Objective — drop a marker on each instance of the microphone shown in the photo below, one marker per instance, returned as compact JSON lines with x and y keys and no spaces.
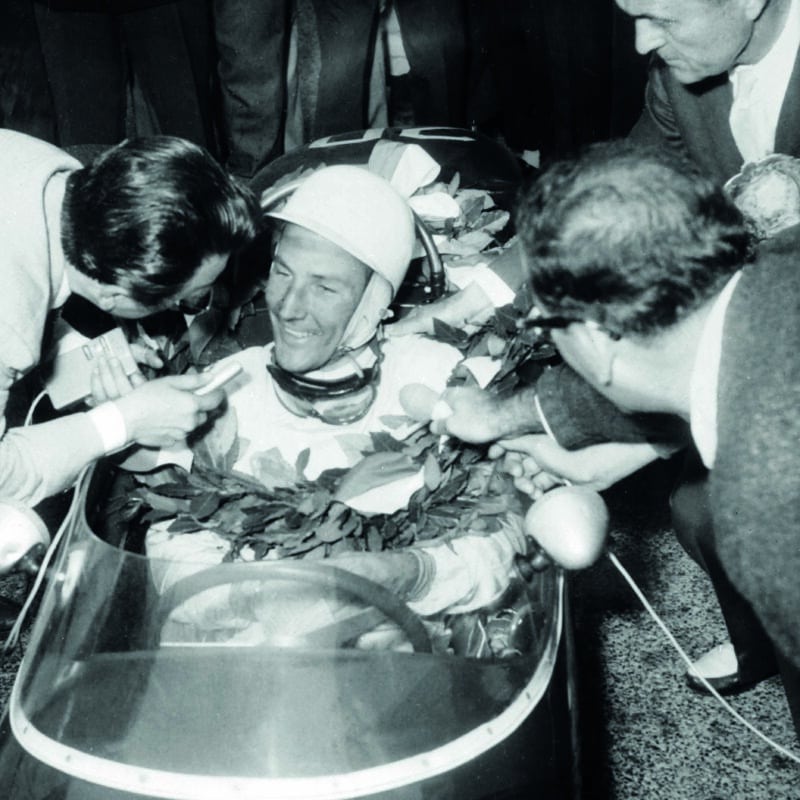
{"x":570,"y":523}
{"x":423,"y":404}
{"x":23,"y":539}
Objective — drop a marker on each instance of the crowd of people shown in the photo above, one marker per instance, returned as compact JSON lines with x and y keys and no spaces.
{"x":677,"y":328}
{"x":249,"y":79}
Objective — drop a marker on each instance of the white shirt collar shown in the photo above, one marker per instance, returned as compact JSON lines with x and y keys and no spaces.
{"x":53,"y":202}
{"x":705,"y":377}
{"x":779,"y":59}
{"x":759,"y":90}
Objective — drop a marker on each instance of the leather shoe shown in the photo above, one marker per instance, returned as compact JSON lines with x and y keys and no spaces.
{"x":9,"y":611}
{"x":740,"y":676}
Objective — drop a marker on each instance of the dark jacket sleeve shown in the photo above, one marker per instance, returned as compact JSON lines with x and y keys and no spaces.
{"x":579,"y":416}
{"x":657,"y":123}
{"x":755,"y":482}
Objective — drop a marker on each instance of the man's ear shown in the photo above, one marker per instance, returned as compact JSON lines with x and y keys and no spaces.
{"x":602,"y":349}
{"x":107,"y":296}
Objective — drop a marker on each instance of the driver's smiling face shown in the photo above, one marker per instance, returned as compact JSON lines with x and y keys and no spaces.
{"x":313,"y":289}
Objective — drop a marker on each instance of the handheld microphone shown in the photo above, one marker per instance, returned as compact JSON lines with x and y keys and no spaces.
{"x":423,"y":404}
{"x":570,"y":523}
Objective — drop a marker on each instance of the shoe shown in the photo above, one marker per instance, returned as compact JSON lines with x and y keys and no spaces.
{"x":722,"y":670}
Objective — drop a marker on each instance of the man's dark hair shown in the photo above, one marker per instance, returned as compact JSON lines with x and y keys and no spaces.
{"x":633,"y":238}
{"x":146,"y":213}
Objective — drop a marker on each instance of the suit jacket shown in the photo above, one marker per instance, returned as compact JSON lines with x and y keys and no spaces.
{"x":755,"y":482}
{"x":694,"y":119}
{"x":579,"y":416}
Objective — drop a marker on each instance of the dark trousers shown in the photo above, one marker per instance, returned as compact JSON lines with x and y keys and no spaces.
{"x":25,"y":103}
{"x":89,"y":56}
{"x":435,"y":41}
{"x":251,"y":37}
{"x":755,"y":651}
{"x":336,"y":40}
{"x":345,"y":31}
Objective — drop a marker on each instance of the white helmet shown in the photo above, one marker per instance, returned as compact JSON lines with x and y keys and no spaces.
{"x":360,"y":212}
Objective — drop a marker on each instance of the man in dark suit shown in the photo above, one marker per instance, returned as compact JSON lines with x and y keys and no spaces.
{"x":667,"y":315}
{"x":723,"y":89}
{"x":723,"y":84}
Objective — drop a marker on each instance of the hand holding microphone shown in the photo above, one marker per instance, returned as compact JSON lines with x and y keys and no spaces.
{"x":163,"y":411}
{"x":570,"y":523}
{"x":465,"y":412}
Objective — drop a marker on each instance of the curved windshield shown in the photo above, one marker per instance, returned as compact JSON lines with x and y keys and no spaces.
{"x":134,"y":687}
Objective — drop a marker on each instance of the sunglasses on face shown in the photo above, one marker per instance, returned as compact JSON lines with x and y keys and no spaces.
{"x":545,"y":323}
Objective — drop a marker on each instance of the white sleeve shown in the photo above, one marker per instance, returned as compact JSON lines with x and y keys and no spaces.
{"x":472,"y":571}
{"x":41,"y":460}
{"x":498,"y":292}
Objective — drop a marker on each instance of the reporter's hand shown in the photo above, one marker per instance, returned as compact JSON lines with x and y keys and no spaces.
{"x":466,"y":309}
{"x":109,"y":380}
{"x":161,"y":412}
{"x":537,"y":463}
{"x":477,"y":416}
{"x":517,"y":460}
{"x":145,"y":354}
{"x":474,"y":415}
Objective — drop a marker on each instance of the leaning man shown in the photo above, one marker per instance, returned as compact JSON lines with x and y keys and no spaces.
{"x":148,"y":224}
{"x":640,"y":267}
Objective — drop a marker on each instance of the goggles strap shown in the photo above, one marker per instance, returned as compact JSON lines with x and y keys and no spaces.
{"x":337,"y":402}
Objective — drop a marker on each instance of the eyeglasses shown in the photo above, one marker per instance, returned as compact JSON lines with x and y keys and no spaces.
{"x":558,"y":322}
{"x":546,"y":323}
{"x":196,"y":304}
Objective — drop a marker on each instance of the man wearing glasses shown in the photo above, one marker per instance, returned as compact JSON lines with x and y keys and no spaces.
{"x":641,"y":270}
{"x":146,"y":226}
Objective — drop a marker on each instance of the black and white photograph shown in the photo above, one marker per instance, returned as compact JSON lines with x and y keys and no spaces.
{"x":400,"y":400}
